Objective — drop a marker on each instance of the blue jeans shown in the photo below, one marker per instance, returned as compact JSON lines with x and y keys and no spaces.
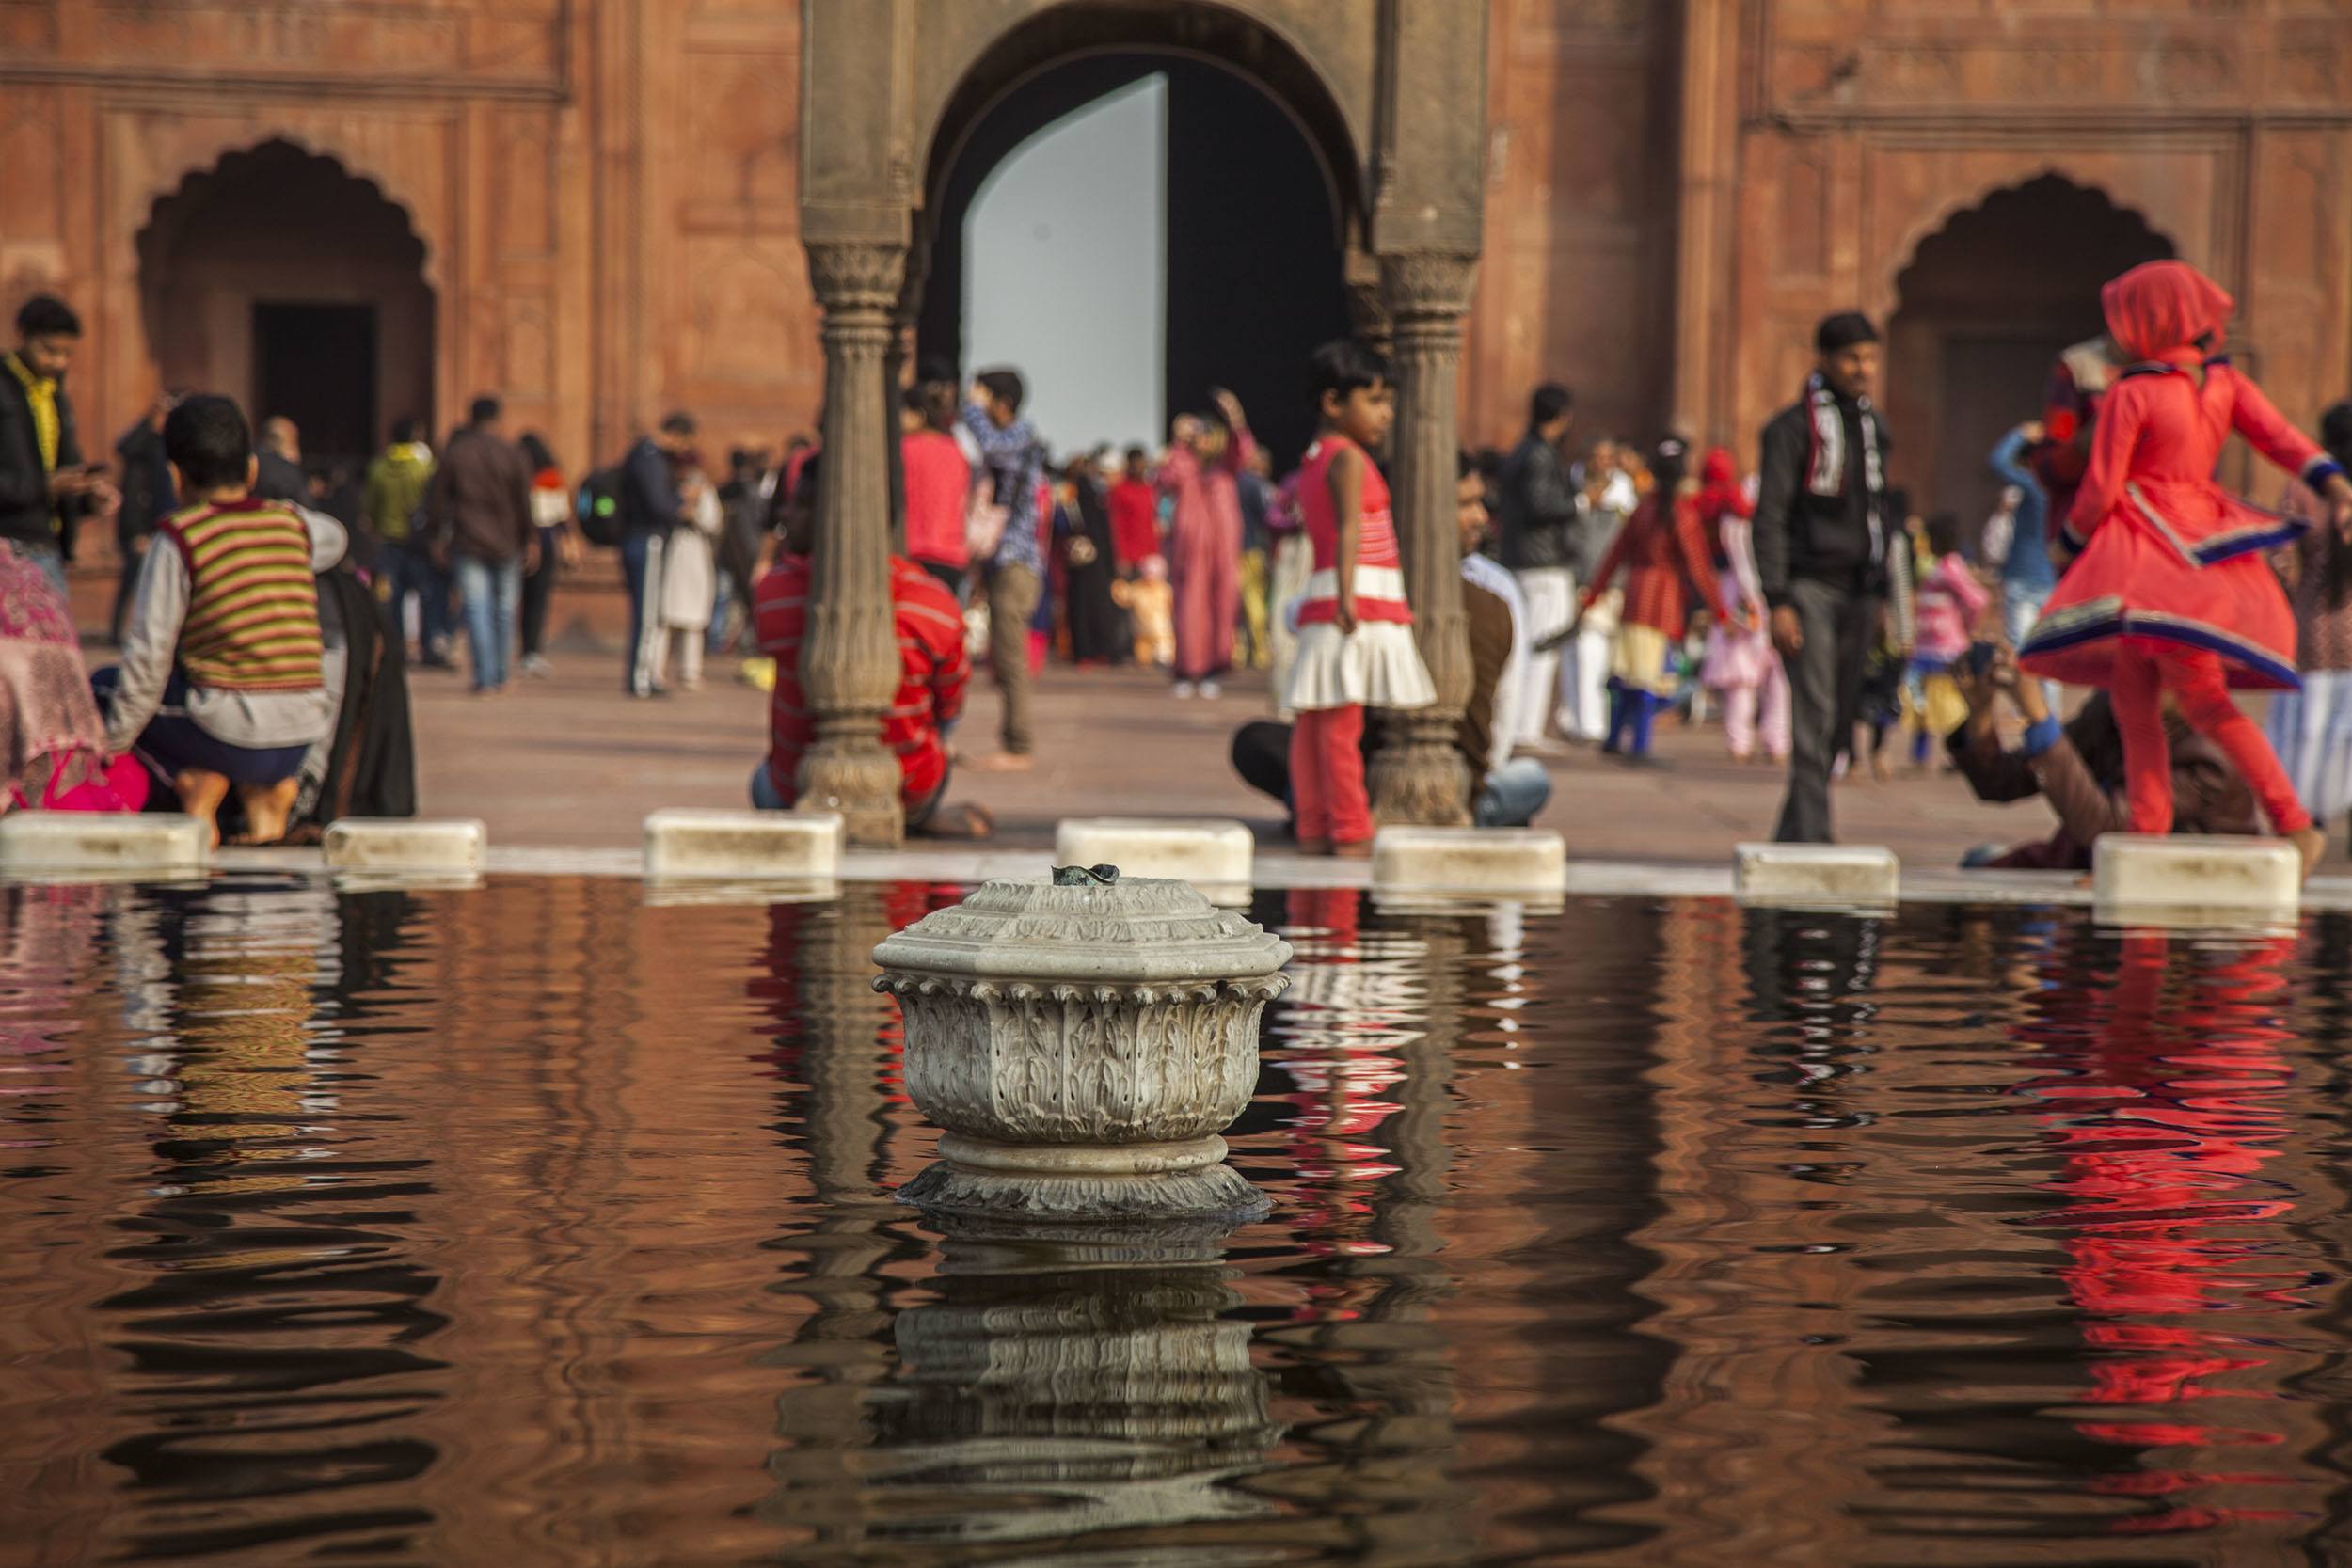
{"x":635,"y":546}
{"x":489,"y":590}
{"x":1512,"y":794}
{"x":409,"y":570}
{"x":2021,"y":606}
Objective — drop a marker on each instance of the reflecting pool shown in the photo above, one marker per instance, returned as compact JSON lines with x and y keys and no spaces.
{"x":540,"y":1224}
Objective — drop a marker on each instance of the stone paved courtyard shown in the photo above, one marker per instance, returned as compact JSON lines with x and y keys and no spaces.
{"x":570,"y":762}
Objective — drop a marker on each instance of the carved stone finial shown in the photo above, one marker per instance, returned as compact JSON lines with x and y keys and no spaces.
{"x":1080,"y":1056}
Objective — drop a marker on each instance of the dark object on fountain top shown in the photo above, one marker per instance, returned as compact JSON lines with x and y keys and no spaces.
{"x":1086,"y":876}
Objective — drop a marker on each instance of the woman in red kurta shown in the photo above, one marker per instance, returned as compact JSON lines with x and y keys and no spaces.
{"x":2171,"y":592}
{"x":1665,"y":555}
{"x":1204,"y":541}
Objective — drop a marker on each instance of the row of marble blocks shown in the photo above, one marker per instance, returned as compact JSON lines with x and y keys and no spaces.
{"x":1220,"y":856}
{"x":2174,"y":879}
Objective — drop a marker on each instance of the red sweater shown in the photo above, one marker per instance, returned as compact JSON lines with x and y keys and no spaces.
{"x":933,"y":671}
{"x":939,"y":483}
{"x":1662,"y":561}
{"x":1135,"y":522}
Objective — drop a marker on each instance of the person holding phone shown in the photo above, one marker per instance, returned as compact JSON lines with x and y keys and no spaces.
{"x":2077,"y":767}
{"x":46,"y":487}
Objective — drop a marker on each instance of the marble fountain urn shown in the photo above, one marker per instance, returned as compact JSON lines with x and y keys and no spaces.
{"x":1082,"y":1043}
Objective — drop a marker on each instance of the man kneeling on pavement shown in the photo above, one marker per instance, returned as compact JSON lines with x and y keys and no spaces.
{"x":1506,"y":792}
{"x":222,"y":683}
{"x":933,"y":671}
{"x":2078,"y":767}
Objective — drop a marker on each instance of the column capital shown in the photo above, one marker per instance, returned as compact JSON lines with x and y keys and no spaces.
{"x":857,"y":274}
{"x":1422,"y":285}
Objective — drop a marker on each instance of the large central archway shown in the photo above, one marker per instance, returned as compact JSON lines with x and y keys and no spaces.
{"x":1987,"y":303}
{"x":283,"y":280}
{"x":1247,"y":279}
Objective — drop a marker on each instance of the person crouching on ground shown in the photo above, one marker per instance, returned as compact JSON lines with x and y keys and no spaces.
{"x":2170,"y":592}
{"x":1662,"y":554}
{"x":221,"y":684}
{"x":2078,"y":767}
{"x":1355,"y":630}
{"x":1508,"y":791}
{"x":934,"y":669}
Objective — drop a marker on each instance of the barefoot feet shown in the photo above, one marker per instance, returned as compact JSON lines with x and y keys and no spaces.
{"x":2311,"y":844}
{"x":200,"y":796}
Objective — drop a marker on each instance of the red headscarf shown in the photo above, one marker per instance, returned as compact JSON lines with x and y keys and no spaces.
{"x":2160,"y":310}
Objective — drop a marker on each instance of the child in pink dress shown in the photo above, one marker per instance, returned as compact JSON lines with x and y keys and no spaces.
{"x":1355,"y":644}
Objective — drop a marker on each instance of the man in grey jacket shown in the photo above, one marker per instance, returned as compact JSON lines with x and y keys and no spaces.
{"x":1537,"y":507}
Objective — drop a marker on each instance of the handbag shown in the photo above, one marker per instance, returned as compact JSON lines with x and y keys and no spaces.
{"x":984,"y":526}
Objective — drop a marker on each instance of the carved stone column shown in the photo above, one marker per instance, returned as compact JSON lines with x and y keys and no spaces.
{"x":850,"y":658}
{"x":1367,"y":307}
{"x":1417,"y":776}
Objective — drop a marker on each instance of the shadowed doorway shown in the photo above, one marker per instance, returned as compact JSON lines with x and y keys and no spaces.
{"x":1250,"y":281}
{"x":284,"y":280}
{"x":1987,"y":304}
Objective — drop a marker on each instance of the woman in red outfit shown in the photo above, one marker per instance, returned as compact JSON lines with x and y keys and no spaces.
{"x":1664,"y":553}
{"x":2171,"y":593}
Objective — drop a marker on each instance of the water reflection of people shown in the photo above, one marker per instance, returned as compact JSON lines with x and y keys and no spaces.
{"x":302,"y":1326}
{"x":2165,"y":1124}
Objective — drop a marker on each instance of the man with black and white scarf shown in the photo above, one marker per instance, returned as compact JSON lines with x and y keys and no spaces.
{"x":1828,"y":555}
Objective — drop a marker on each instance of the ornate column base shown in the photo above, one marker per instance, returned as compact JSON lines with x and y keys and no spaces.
{"x":850,"y":771}
{"x":1417,"y":775}
{"x":1189,"y":1179}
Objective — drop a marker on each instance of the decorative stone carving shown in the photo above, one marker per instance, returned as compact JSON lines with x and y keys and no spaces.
{"x":1083,"y":1043}
{"x":1417,"y":775}
{"x":849,"y":659}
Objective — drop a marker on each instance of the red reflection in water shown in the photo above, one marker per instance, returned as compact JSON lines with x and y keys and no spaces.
{"x":2165,"y":1128}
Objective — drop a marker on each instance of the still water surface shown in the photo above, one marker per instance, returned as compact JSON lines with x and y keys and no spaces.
{"x":535,"y":1224}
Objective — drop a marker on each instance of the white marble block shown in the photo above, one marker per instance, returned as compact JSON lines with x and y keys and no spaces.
{"x":455,"y":846}
{"x":2190,"y":872}
{"x":743,"y":846}
{"x":1829,"y":874}
{"x":1210,"y":854}
{"x":49,"y":842}
{"x":1533,"y":861}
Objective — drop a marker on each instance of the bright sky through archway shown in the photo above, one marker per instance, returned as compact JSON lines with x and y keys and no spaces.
{"x":1065,"y":271}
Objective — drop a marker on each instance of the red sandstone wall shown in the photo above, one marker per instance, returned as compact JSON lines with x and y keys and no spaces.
{"x":606,"y":189}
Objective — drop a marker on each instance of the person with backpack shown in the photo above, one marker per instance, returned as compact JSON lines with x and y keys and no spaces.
{"x":635,"y":507}
{"x":393,"y":491}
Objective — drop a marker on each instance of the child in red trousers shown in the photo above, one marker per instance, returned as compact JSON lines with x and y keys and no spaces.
{"x":1355,"y":630}
{"x":2171,"y":596}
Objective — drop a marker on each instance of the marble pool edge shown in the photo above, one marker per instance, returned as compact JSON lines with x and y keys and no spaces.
{"x":1585,"y":878}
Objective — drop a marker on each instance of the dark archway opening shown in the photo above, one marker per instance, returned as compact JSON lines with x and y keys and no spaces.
{"x":286,"y":281}
{"x":1253,"y":253}
{"x":1985,"y":308}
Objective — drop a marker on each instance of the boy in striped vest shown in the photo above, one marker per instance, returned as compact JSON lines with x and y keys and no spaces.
{"x":221,"y":684}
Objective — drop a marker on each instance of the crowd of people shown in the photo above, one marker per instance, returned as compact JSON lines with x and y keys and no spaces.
{"x":265,"y":613}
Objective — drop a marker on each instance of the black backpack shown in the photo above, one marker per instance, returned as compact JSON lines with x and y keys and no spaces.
{"x":604,"y":505}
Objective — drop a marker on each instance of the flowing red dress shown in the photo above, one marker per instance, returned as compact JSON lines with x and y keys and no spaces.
{"x":2166,"y":555}
{"x":2171,"y":592}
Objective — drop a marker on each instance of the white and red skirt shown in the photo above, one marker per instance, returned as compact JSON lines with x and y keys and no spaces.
{"x":1377,"y":665}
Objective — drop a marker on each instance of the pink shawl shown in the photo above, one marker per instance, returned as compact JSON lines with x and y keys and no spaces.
{"x":55,"y":740}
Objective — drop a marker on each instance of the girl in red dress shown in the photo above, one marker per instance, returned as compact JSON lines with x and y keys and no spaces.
{"x":1355,"y":647}
{"x":2171,"y":593}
